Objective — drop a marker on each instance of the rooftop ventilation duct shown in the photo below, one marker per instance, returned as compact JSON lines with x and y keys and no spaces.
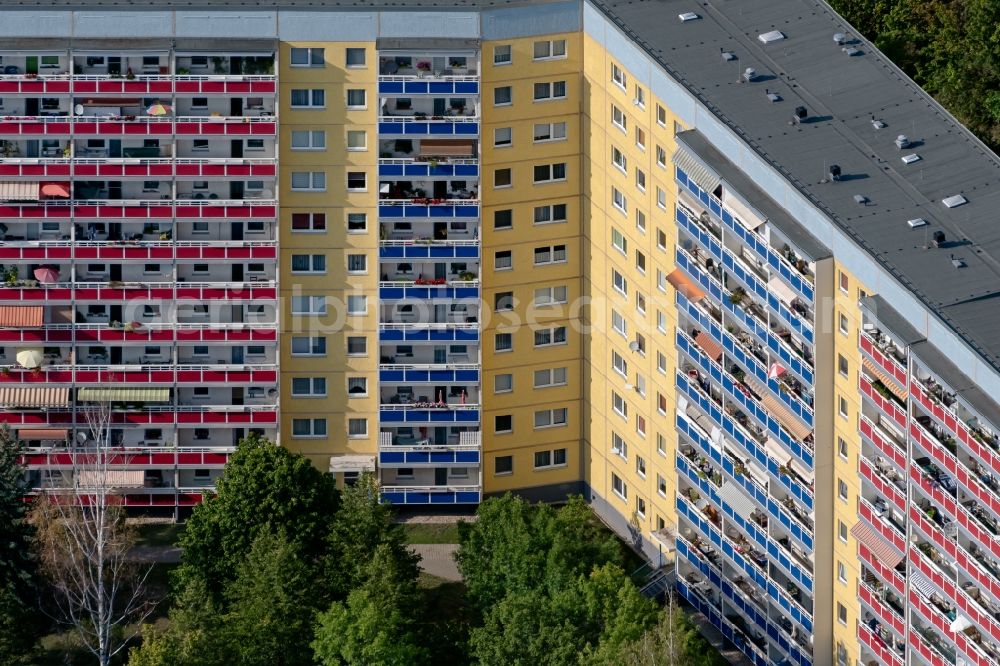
{"x":834,"y":172}
{"x":749,"y":74}
{"x":954,"y":201}
{"x":902,"y":142}
{"x":910,"y":159}
{"x":688,"y":16}
{"x":840,"y":38}
{"x":937,"y":238}
{"x":771,"y":37}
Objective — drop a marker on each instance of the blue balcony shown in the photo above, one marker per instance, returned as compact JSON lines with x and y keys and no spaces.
{"x":416,"y":458}
{"x":436,"y":250}
{"x":756,"y":286}
{"x":418,"y":376}
{"x":428,"y":292}
{"x":693,"y":270}
{"x":421,"y":87}
{"x":414,"y":414}
{"x":437,"y":211}
{"x":429,"y":127}
{"x":429,"y":333}
{"x":765,"y":336}
{"x":425,"y":170}
{"x":400,"y":495}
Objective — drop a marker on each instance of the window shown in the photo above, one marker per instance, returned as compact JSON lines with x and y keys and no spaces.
{"x":842,"y":367}
{"x":618,"y":76}
{"x":841,"y":572}
{"x":199,"y":145}
{"x":619,"y":405}
{"x":640,"y":138}
{"x":619,"y":364}
{"x":618,"y":241}
{"x":357,"y":181}
{"x":503,"y":342}
{"x":357,"y":223}
{"x":550,"y":377}
{"x":842,"y":530}
{"x":503,"y":260}
{"x":550,"y":418}
{"x":640,"y":96}
{"x":661,"y":363}
{"x":842,"y":323}
{"x":502,"y":178}
{"x":618,"y":486}
{"x":640,"y":425}
{"x":503,"y":383}
{"x":503,"y":301}
{"x":842,"y":448}
{"x":661,"y":444}
{"x":554,"y":254}
{"x":304,"y":98}
{"x":502,"y":96}
{"x":841,"y":654}
{"x":549,"y":132}
{"x":306,"y":222}
{"x":841,"y":489}
{"x":357,"y":345}
{"x":199,"y":102}
{"x":308,"y":263}
{"x":354,"y":57}
{"x":308,"y":140}
{"x":502,"y":137}
{"x":618,"y":323}
{"x":841,"y":613}
{"x":640,"y":507}
{"x":357,"y":98}
{"x":661,"y":320}
{"x":661,"y":156}
{"x":357,"y":305}
{"x":357,"y":140}
{"x":619,"y":282}
{"x":661,"y":239}
{"x":547,"y":296}
{"x":503,"y":423}
{"x":303,"y":428}
{"x":357,"y":386}
{"x":308,"y":58}
{"x":357,"y":428}
{"x":550,"y":90}
{"x":254,"y":145}
{"x":619,"y":201}
{"x":661,"y":486}
{"x":619,"y":160}
{"x":640,"y":262}
{"x":550,"y":49}
{"x":550,"y":214}
{"x":308,"y":305}
{"x":640,"y":221}
{"x":661,"y":116}
{"x":308,"y":181}
{"x":546,"y":173}
{"x":640,"y":179}
{"x":844,"y":282}
{"x":502,"y":54}
{"x":555,"y":335}
{"x":503,"y":219}
{"x":842,"y":406}
{"x":503,"y":465}
{"x":308,"y":386}
{"x":661,"y":198}
{"x":619,"y":446}
{"x":618,"y":118}
{"x":357,"y":263}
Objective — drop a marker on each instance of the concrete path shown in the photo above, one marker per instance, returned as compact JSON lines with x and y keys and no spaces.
{"x":156,"y":554}
{"x":438,"y":559}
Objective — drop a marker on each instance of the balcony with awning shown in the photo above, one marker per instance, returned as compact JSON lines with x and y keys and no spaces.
{"x":33,"y":396}
{"x":683,"y":284}
{"x":123,"y":394}
{"x":22,"y":316}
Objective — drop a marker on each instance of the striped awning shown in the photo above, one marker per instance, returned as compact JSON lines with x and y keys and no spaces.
{"x":776,"y":408}
{"x":18,"y":190}
{"x":696,"y":170}
{"x":42,"y":433}
{"x":349,"y":463}
{"x":884,"y":377}
{"x":922,"y":585}
{"x":683,"y":284}
{"x":124,"y":394}
{"x":447,"y":148}
{"x":22,"y":316}
{"x":880,"y":549}
{"x":734,"y":497}
{"x":33,"y":396}
{"x":116,"y":478}
{"x":708,"y":345}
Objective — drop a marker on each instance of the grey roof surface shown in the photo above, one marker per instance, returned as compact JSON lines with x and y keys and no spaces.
{"x":892,"y":320}
{"x":333,"y":5}
{"x":842,"y":94}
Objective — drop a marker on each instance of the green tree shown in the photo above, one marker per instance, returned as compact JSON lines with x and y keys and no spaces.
{"x":362,"y":524}
{"x":674,"y":641}
{"x":376,"y":625}
{"x":19,"y":618}
{"x":264,"y":488}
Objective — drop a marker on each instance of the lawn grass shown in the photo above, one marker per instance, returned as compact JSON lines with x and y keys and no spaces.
{"x":431,"y":532}
{"x":159,"y":534}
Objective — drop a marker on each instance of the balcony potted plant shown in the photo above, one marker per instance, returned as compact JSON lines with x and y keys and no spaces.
{"x":737,"y":295}
{"x":466,"y":276}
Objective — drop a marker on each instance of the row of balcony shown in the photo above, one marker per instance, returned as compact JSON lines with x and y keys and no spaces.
{"x":130,"y":65}
{"x":156,"y":446}
{"x":130,"y":124}
{"x":90,"y":156}
{"x":65,"y":239}
{"x":105,"y":210}
{"x":182,"y":251}
{"x":223,"y":414}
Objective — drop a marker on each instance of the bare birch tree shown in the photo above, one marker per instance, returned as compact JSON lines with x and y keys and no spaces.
{"x":84,"y":546}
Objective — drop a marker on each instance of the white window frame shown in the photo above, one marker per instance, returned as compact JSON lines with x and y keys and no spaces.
{"x":311,"y":60}
{"x":555,"y":49}
{"x":315,"y":140}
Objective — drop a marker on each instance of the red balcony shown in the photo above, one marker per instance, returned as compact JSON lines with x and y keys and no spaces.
{"x":875,"y":644}
{"x":950,"y":421}
{"x":208,"y":85}
{"x":34,"y":85}
{"x":113,"y":168}
{"x":159,"y":333}
{"x":225,"y":126}
{"x":883,"y":527}
{"x":884,"y":613}
{"x":182,"y":498}
{"x":944,"y":544}
{"x":889,"y":365}
{"x":927,"y":652}
{"x":140,"y":457}
{"x":163,"y":250}
{"x":975,"y":655}
{"x":49,"y":251}
{"x":888,"y":574}
{"x":186,"y":415}
{"x":35,"y":168}
{"x":887,"y":405}
{"x":887,"y":446}
{"x":124,"y":126}
{"x":140,"y":85}
{"x":190,"y":168}
{"x":931,"y":572}
{"x":886,"y":488}
{"x":986,"y":580}
{"x":944,"y":501}
{"x":35,"y":126}
{"x":931,"y":615}
{"x":105,"y":210}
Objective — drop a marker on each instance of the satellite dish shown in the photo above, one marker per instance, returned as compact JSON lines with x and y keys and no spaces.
{"x":634,"y":346}
{"x":78,"y":109}
{"x":81,"y":436}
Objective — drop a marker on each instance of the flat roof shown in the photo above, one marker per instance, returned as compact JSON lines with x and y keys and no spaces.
{"x":842,"y":93}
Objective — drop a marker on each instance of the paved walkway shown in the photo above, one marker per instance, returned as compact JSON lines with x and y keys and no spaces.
{"x":438,"y":559}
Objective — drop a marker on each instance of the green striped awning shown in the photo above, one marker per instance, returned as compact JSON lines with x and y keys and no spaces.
{"x":696,"y":169}
{"x":124,"y":395}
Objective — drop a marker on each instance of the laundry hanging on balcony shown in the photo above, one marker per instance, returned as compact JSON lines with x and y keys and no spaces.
{"x":123,"y":394}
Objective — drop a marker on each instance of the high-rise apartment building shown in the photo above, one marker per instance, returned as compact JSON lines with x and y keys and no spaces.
{"x":724,"y":270}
